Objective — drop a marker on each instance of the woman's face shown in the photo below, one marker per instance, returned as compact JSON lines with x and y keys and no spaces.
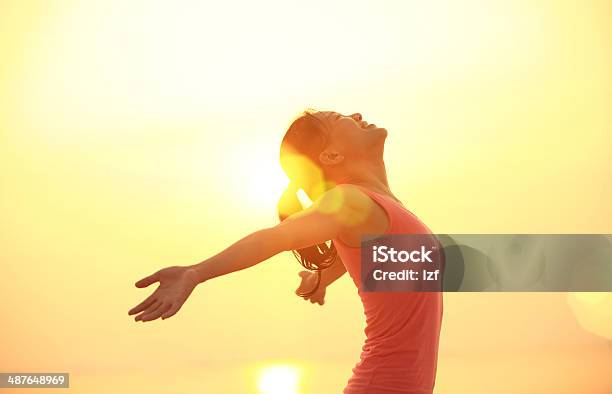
{"x":351,"y":135}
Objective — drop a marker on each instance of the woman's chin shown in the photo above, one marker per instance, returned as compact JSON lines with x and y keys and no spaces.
{"x":381,"y":131}
{"x":377,"y":142}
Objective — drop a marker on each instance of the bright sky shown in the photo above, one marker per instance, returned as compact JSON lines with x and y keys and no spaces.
{"x":140,"y":134}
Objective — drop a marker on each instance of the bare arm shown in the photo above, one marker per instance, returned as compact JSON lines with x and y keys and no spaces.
{"x":322,"y":221}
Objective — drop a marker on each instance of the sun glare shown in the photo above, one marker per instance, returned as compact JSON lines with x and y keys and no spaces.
{"x":266,"y":184}
{"x":279,"y":379}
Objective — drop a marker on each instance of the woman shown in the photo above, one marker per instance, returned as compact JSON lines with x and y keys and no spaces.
{"x":337,"y":161}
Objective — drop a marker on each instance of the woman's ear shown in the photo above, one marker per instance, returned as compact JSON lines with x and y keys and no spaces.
{"x":330,"y":157}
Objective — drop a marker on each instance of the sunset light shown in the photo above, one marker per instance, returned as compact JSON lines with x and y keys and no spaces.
{"x":138,"y":134}
{"x":279,"y":379}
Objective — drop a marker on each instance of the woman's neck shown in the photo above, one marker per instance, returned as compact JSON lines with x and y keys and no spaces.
{"x":373,"y":177}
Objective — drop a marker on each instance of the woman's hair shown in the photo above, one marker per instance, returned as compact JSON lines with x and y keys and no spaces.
{"x":304,"y":140}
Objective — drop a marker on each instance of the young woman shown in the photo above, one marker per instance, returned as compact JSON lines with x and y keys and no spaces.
{"x":337,"y":161}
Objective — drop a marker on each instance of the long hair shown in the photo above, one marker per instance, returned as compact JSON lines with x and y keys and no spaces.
{"x":304,"y":140}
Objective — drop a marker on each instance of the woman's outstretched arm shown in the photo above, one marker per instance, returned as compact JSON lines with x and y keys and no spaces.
{"x":322,"y":221}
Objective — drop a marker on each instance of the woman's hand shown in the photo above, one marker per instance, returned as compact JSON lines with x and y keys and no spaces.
{"x":309,"y":280}
{"x":175,"y":285}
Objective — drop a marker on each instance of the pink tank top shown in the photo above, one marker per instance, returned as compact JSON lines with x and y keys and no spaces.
{"x":400,"y":353}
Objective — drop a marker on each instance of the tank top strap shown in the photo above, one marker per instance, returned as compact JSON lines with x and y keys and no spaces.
{"x":401,"y":220}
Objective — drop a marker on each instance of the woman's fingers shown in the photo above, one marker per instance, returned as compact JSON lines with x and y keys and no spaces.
{"x":172,"y":311}
{"x":318,"y":297}
{"x":143,"y":305}
{"x":146,"y":281}
{"x":163,"y":307}
{"x":149,"y":309}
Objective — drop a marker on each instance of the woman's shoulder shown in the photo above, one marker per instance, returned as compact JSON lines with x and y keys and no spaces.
{"x":361,"y":195}
{"x":354,"y":204}
{"x":346,"y":201}
{"x":363,"y":213}
{"x":350,"y":195}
